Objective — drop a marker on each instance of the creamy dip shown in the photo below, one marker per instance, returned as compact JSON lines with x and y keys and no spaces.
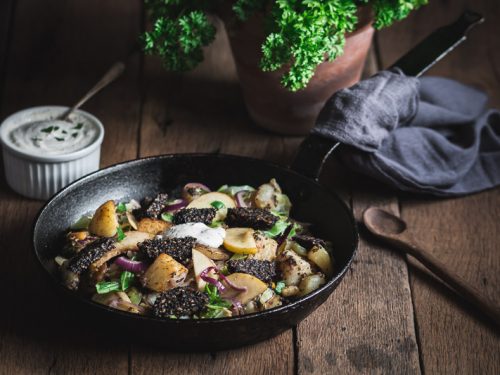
{"x":212,"y":237}
{"x":54,"y":137}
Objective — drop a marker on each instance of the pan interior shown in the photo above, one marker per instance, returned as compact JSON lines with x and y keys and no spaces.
{"x":146,"y":177}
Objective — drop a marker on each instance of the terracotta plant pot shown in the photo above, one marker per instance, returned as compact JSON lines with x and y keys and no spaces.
{"x":277,"y":109}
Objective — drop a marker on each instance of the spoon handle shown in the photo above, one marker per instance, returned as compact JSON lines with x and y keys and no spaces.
{"x":462,"y":287}
{"x":113,"y":73}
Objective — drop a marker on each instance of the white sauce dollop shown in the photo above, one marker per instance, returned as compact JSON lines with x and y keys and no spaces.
{"x":54,"y":137}
{"x":212,"y":237}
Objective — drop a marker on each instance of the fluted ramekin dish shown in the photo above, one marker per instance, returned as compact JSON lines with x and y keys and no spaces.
{"x":40,"y":176}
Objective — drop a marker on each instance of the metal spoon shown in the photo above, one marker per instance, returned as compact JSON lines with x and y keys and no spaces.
{"x":393,"y":230}
{"x":113,"y":73}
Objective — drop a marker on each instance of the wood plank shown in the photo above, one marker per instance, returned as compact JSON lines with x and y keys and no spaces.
{"x":366,"y":326}
{"x":59,"y":49}
{"x":203,"y":111}
{"x":463,"y":233}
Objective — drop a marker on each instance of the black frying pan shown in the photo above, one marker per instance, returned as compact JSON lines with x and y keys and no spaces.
{"x":331,"y":218}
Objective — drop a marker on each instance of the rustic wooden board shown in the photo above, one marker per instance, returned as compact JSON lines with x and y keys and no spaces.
{"x":57,"y":53}
{"x":203,"y":111}
{"x":464,"y":232}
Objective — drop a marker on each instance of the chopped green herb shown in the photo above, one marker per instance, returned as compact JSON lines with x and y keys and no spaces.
{"x":216,"y":305}
{"x":167,"y":216}
{"x":64,"y":132}
{"x":78,"y":126}
{"x":59,"y":139}
{"x":279,"y":286}
{"x":74,"y":135}
{"x":217,"y":205}
{"x":48,"y":129}
{"x":277,"y":229}
{"x":104,"y":287}
{"x":121,"y":208}
{"x":134,"y":295}
{"x":120,"y":235}
{"x":56,"y":127}
{"x":215,"y":224}
{"x":126,"y":279}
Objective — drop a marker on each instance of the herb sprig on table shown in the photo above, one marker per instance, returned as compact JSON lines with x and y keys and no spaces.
{"x":300,"y":33}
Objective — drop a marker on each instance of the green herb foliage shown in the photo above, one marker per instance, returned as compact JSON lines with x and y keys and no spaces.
{"x":104,"y":287}
{"x":300,"y":33}
{"x":167,"y":216}
{"x":121,"y":208}
{"x":126,"y":278}
{"x":217,"y":205}
{"x":120,"y":236}
{"x":279,"y":287}
{"x":216,"y":305}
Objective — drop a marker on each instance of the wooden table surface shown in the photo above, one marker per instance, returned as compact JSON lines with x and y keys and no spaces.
{"x":387,"y":316}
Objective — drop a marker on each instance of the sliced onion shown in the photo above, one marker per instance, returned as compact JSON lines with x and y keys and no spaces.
{"x":131,"y":265}
{"x":175,"y":205}
{"x":220,"y":286}
{"x":242,"y":198}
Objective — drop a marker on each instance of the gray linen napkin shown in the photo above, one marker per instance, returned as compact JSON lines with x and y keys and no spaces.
{"x":430,"y":135}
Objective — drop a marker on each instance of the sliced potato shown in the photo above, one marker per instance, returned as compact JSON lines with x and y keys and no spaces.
{"x":320,"y":257}
{"x":153,"y":226}
{"x":200,"y":263}
{"x":213,"y":253}
{"x":254,"y":286}
{"x":165,"y":273}
{"x":205,"y":201}
{"x":293,"y":267}
{"x":311,"y":283}
{"x":105,"y":221}
{"x":240,"y":241}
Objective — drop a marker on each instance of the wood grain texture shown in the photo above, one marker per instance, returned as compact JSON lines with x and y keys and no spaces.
{"x":366,"y":326}
{"x":463,"y":233}
{"x":57,"y":54}
{"x":203,"y":111}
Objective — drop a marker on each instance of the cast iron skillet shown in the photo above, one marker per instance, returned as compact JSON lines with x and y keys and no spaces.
{"x":331,"y":218}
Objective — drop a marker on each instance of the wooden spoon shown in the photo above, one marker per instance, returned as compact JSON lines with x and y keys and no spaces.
{"x":394,"y":230}
{"x":113,"y":73}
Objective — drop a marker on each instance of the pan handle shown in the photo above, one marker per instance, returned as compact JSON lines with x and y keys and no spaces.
{"x":315,"y":149}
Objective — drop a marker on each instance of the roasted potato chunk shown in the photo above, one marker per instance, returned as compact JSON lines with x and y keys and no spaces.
{"x":105,"y":221}
{"x":165,"y":273}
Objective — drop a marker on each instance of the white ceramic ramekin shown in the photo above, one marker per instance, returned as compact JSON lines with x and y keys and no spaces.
{"x":40,"y":177}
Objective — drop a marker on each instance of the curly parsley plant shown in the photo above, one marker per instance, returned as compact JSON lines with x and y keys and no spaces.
{"x":300,"y":33}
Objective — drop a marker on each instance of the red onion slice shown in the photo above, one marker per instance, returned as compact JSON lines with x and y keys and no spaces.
{"x":220,"y":286}
{"x":131,"y":265}
{"x":175,"y":205}
{"x":193,"y":190}
{"x":242,"y":198}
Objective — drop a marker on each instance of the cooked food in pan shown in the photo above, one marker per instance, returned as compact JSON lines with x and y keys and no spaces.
{"x":194,"y":253}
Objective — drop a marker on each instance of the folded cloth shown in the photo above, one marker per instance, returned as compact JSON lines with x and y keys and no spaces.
{"x":430,"y":135}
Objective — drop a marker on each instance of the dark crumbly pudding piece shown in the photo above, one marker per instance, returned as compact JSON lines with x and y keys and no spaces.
{"x":178,"y":248}
{"x":152,"y":208}
{"x":88,"y":255}
{"x":256,"y":218}
{"x":178,"y":302}
{"x":194,"y":215}
{"x":308,"y":241}
{"x":261,"y":269}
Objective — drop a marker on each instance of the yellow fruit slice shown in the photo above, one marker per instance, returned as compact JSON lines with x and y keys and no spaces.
{"x":240,"y":241}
